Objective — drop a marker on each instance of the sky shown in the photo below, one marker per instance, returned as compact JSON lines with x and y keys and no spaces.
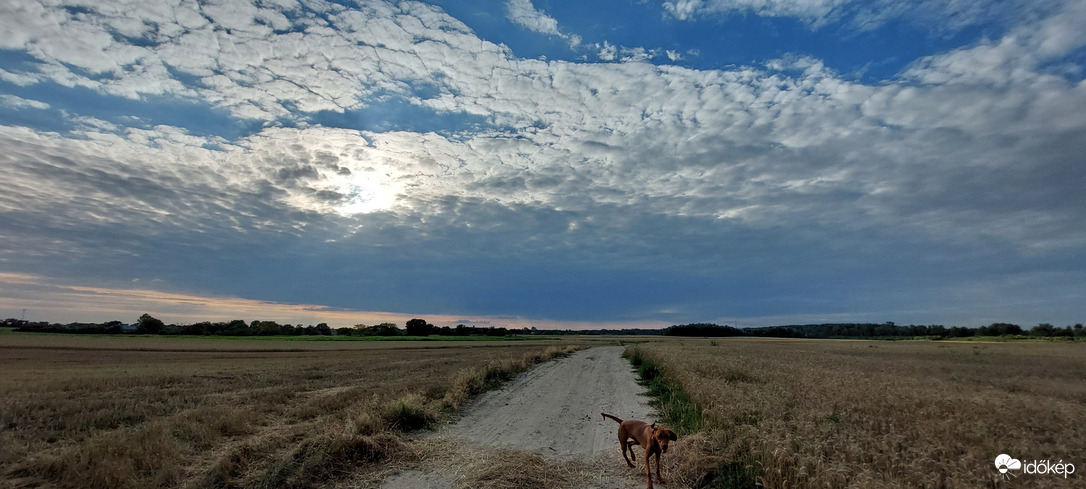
{"x":550,"y":164}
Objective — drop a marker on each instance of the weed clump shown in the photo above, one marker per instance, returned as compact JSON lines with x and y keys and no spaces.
{"x":409,"y":413}
{"x":328,"y":456}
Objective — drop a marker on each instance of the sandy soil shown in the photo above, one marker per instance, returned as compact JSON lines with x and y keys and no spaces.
{"x":552,"y":410}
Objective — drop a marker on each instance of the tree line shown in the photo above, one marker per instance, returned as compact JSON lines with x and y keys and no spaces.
{"x":877,"y":330}
{"x":147,"y":324}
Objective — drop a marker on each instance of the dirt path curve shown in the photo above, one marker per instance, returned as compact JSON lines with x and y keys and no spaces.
{"x":553,"y":410}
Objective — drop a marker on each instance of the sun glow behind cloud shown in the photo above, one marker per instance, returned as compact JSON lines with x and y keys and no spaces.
{"x":365,"y":195}
{"x":351,"y":193}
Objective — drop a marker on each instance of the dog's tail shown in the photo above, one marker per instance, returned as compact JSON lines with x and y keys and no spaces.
{"x":612,"y":417}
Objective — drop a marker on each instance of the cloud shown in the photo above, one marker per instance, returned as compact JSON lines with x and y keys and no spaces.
{"x":1021,"y":58}
{"x":22,"y":103}
{"x":270,"y":65}
{"x":733,"y":144}
{"x":524,"y":14}
{"x":607,"y":52}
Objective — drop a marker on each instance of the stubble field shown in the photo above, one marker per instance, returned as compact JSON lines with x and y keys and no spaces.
{"x":151,"y":412}
{"x":837,"y":413}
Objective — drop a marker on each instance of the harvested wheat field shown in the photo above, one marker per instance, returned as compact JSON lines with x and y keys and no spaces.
{"x":830,"y":413}
{"x":95,"y":414}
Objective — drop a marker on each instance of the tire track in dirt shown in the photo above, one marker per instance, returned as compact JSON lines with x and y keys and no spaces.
{"x":552,"y":410}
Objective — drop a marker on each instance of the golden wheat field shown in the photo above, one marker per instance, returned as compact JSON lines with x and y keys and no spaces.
{"x":151,"y":412}
{"x":838,"y":413}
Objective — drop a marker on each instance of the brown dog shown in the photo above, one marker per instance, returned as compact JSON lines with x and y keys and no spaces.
{"x":632,"y":432}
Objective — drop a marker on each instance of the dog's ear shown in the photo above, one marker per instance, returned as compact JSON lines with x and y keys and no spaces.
{"x":653,"y":426}
{"x":672,"y":436}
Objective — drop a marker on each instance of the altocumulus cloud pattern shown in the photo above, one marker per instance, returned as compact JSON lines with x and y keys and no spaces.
{"x":760,"y":162}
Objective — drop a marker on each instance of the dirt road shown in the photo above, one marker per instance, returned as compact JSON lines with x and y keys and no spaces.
{"x":552,"y":410}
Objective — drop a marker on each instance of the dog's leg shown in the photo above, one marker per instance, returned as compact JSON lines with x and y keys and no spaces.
{"x":648,"y":471}
{"x":659,"y":478}
{"x":623,"y":447}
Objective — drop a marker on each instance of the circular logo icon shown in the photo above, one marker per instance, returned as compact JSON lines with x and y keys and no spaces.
{"x":1005,"y":462}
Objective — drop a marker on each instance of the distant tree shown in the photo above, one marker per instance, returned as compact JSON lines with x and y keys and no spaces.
{"x":147,"y":324}
{"x":1002,"y":329}
{"x":383,"y":329}
{"x":961,"y":332}
{"x":200,"y":328}
{"x":265,"y":328}
{"x":1043,"y":330}
{"x":236,"y":327}
{"x":323,"y":329}
{"x":419,"y":327}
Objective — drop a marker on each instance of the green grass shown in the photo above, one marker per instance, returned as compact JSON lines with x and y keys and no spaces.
{"x":678,"y":411}
{"x":683,"y":415}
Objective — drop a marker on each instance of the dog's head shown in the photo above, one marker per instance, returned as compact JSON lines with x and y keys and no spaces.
{"x":663,"y":436}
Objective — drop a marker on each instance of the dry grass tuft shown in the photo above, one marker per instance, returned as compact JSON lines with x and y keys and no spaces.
{"x":510,"y":469}
{"x":410,"y":413}
{"x":328,"y":456}
{"x":513,"y":469}
{"x":702,"y":460}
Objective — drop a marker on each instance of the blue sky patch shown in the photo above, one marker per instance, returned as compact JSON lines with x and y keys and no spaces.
{"x":196,"y":118}
{"x":393,"y":113}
